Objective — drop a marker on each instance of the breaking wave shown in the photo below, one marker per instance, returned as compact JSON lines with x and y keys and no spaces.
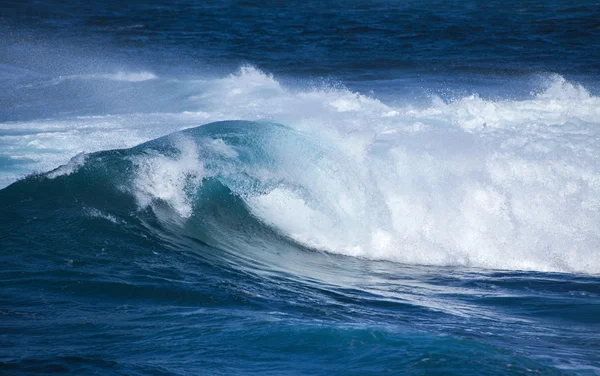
{"x":502,"y":184}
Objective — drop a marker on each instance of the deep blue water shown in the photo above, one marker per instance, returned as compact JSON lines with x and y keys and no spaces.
{"x":372,"y":187}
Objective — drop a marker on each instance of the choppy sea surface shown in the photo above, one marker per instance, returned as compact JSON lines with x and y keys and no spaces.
{"x":300,"y":188}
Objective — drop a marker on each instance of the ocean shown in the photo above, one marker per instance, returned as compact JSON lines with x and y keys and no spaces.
{"x":300,"y":188}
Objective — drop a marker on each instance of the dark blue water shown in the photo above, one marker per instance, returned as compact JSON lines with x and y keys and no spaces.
{"x":377,"y":187}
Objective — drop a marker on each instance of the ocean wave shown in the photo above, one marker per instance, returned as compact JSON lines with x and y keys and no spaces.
{"x":415,"y":200}
{"x":501,"y":184}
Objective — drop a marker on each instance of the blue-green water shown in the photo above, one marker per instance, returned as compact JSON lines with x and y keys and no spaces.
{"x":234,"y":188}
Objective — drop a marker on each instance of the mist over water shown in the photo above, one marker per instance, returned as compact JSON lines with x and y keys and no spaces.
{"x":238,"y":188}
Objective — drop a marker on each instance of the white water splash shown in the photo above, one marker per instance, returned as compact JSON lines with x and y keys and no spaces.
{"x":74,"y":164}
{"x":169,"y":179}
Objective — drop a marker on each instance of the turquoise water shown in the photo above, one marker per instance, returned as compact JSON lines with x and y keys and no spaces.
{"x":374,"y":188}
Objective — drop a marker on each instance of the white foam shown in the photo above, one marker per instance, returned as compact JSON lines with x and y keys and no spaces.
{"x":74,"y":164}
{"x":496,"y":184}
{"x":292,"y":214}
{"x":42,"y":145}
{"x":169,"y":179}
{"x":558,"y":88}
{"x":93,"y":212}
{"x":130,"y":76}
{"x":116,"y":76}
